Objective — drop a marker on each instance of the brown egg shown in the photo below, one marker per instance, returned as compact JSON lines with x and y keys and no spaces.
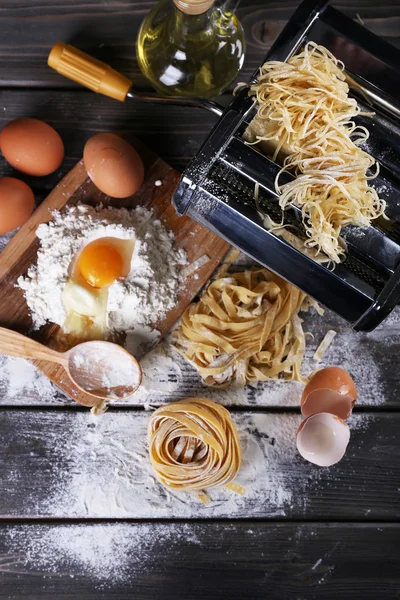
{"x":16,"y":203}
{"x":330,"y":390}
{"x":32,"y":146}
{"x":113,"y":165}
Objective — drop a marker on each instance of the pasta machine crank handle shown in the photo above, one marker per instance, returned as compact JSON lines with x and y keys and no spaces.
{"x":103,"y":79}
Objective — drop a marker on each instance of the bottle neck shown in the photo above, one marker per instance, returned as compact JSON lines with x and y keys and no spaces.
{"x":194,"y":7}
{"x":186,"y":26}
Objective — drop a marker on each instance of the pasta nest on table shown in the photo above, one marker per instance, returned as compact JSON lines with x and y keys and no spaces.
{"x":194,"y":445}
{"x":245,"y":328}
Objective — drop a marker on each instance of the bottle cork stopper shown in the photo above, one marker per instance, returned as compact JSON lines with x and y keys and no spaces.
{"x":194,"y":7}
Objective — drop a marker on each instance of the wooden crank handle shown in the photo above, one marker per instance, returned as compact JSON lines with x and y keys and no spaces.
{"x":88,"y":71}
{"x":18,"y":345}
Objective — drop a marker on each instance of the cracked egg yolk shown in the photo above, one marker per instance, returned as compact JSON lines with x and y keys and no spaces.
{"x":100,"y":264}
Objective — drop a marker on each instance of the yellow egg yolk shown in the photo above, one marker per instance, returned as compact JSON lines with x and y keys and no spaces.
{"x":100,"y":264}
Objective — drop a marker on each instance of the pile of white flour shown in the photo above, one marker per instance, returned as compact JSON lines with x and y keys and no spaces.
{"x":135,"y":303}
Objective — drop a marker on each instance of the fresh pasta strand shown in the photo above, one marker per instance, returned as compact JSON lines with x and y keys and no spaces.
{"x":305,"y":116}
{"x":194,"y":445}
{"x":284,"y":231}
{"x":245,"y":328}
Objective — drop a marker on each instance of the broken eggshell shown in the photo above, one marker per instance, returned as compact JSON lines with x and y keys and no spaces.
{"x":322,"y":439}
{"x":330,"y":390}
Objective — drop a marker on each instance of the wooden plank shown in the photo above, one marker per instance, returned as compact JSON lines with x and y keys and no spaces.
{"x":72,"y":465}
{"x":200,"y":560}
{"x":168,"y":377}
{"x":367,"y":356}
{"x":174,"y":134}
{"x":108,"y":30}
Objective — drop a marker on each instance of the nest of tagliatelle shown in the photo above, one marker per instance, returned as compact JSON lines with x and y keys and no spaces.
{"x":245,"y":328}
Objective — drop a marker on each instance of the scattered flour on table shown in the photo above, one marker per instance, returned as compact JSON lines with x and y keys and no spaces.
{"x":168,"y":377}
{"x":162,"y":373}
{"x":363,"y":355}
{"x":102,"y":470}
{"x":106,"y":553}
{"x":148,"y":292}
{"x":22,"y":383}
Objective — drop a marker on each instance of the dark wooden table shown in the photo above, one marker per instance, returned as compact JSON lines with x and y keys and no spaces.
{"x":303,"y":533}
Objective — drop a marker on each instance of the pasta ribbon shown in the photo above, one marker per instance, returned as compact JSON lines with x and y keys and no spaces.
{"x":305,"y":118}
{"x":244,"y":329}
{"x":194,"y":445}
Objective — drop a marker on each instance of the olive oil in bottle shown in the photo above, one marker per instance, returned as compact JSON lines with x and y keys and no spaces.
{"x":190,"y":48}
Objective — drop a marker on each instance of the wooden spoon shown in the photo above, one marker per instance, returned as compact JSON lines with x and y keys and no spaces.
{"x":102,"y":370}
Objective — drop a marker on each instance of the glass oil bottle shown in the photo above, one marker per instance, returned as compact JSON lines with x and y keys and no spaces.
{"x":190,"y":48}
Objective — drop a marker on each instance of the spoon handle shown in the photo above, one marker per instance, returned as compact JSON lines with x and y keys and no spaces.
{"x":16,"y":344}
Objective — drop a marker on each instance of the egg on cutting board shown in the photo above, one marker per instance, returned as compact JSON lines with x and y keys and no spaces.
{"x":16,"y":203}
{"x":113,"y":165}
{"x":96,"y":267}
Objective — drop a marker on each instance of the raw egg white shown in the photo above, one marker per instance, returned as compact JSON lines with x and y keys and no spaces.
{"x":113,"y":165}
{"x":322,"y":439}
{"x":96,"y":267}
{"x":32,"y":146}
{"x":330,"y":390}
{"x":16,"y":203}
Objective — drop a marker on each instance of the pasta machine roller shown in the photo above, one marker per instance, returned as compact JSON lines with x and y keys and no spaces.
{"x":218,"y":188}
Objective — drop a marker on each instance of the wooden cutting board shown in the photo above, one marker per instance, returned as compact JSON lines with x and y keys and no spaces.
{"x":75,"y":188}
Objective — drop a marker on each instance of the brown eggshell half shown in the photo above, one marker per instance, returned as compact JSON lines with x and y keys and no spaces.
{"x":327,"y":401}
{"x":330,"y":390}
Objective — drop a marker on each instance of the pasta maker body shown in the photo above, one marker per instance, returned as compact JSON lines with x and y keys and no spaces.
{"x":219,"y":186}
